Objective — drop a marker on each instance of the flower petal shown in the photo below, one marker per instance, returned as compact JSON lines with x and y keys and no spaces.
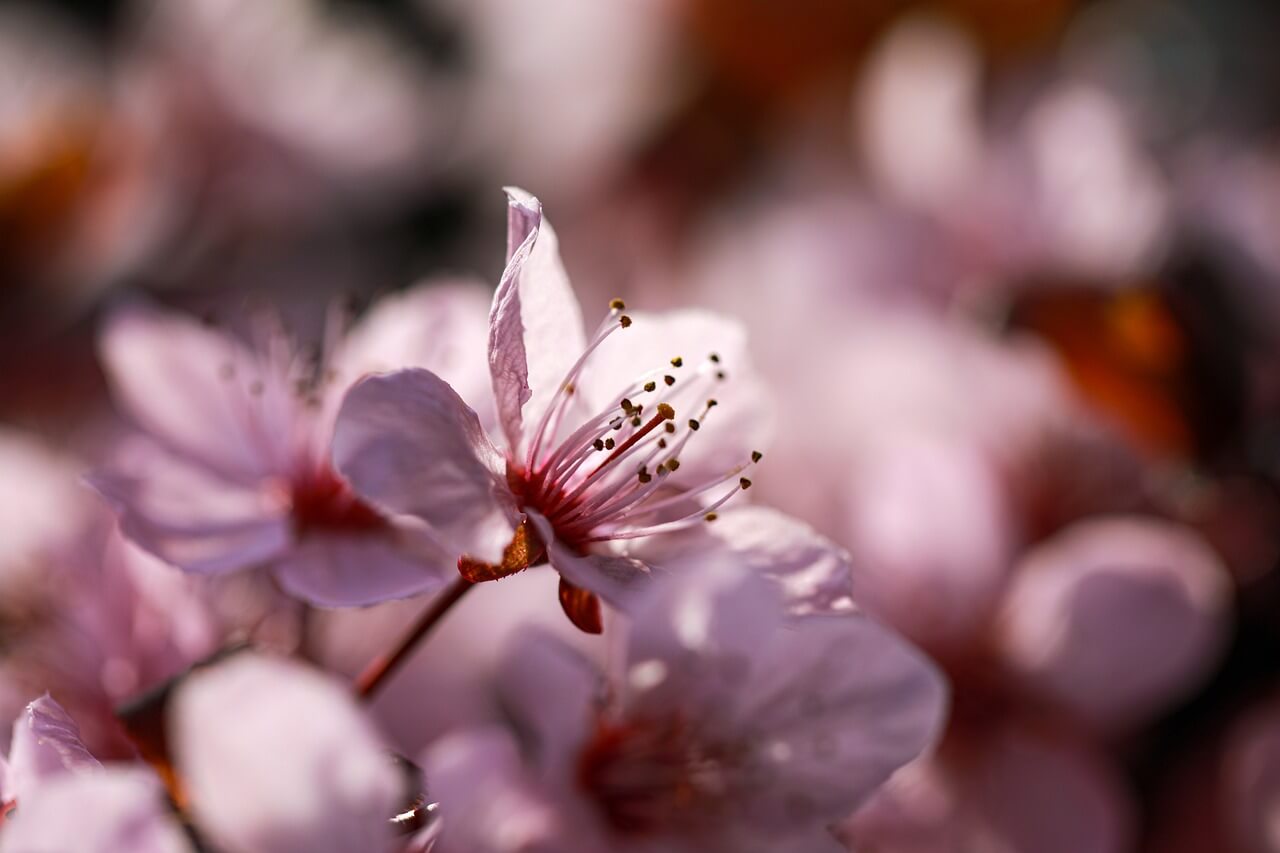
{"x":408,"y":443}
{"x":104,"y":812}
{"x":439,"y":325}
{"x":535,"y":324}
{"x":335,"y":570}
{"x":838,"y":703}
{"x":46,"y":743}
{"x":814,"y":573}
{"x":278,"y":758}
{"x":190,"y":518}
{"x":491,"y":804}
{"x":1114,"y":618}
{"x":193,"y":388}
{"x":614,"y":578}
{"x":551,"y":690}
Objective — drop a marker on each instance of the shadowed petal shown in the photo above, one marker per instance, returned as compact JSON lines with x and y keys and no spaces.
{"x":535,"y":324}
{"x":408,"y":443}
{"x":335,"y":570}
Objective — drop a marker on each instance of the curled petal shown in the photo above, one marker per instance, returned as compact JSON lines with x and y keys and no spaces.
{"x":407,"y":442}
{"x":535,"y":324}
{"x":614,"y":578}
{"x":46,"y":743}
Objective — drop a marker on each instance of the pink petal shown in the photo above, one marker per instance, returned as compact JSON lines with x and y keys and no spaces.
{"x":1116,"y":618}
{"x":614,"y":578}
{"x":46,"y":743}
{"x":189,"y":517}
{"x":814,"y":573}
{"x":108,"y":811}
{"x":189,"y":386}
{"x":694,"y":636}
{"x":839,"y":703}
{"x":335,"y":570}
{"x":440,"y":326}
{"x":491,"y":803}
{"x":278,"y":758}
{"x":742,"y":420}
{"x":552,"y":690}
{"x":1250,"y":782}
{"x":535,"y":325}
{"x":407,"y":442}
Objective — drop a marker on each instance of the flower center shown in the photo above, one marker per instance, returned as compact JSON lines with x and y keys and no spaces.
{"x":649,"y":777}
{"x":322,"y":501}
{"x":611,"y":478}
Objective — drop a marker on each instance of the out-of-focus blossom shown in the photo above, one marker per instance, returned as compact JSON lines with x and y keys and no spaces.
{"x":729,"y":727}
{"x":278,"y":106}
{"x":276,"y":758}
{"x":564,"y":91}
{"x":1066,"y":187}
{"x":85,"y":614}
{"x":1014,"y":790}
{"x":592,"y":442}
{"x":1114,"y":618}
{"x":82,"y":195}
{"x":239,"y":475}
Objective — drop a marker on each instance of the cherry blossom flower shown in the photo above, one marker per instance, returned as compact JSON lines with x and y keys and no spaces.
{"x":645,"y":429}
{"x":237,"y":474}
{"x":731,"y":727}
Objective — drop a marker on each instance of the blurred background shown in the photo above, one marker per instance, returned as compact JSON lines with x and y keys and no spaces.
{"x":1011,"y":268}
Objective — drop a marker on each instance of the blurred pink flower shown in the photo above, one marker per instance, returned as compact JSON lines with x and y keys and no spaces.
{"x":237,"y":474}
{"x":408,"y":442}
{"x":277,"y":758}
{"x":731,"y":727}
{"x":1116,"y":618}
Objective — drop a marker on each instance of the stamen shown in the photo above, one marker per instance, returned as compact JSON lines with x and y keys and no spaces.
{"x":617,"y":305}
{"x":677,"y":362}
{"x":756,"y":456}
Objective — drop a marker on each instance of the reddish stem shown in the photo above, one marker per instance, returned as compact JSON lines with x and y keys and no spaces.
{"x":381,"y":668}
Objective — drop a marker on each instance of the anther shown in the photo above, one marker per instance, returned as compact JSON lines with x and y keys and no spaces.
{"x":677,"y":362}
{"x":714,"y":357}
{"x":673,"y":464}
{"x":598,"y":444}
{"x":744,"y":482}
{"x":669,"y":379}
{"x":624,"y":321}
{"x":665,"y":411}
{"x":569,"y":389}
{"x":649,"y":386}
{"x":711,"y":516}
{"x":627,"y":405}
{"x":617,"y":305}
{"x":662,"y":443}
{"x":644,"y":476}
{"x":669,"y":427}
{"x":635,"y":422}
{"x":712,"y":403}
{"x":756,"y":456}
{"x":720,"y":374}
{"x":608,"y":444}
{"x":693,"y":424}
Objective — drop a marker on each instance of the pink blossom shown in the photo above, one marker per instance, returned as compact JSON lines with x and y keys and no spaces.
{"x":237,"y":472}
{"x":595,"y":431}
{"x":730,"y":726}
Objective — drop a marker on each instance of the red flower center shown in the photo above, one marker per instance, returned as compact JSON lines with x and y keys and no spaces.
{"x":322,"y":501}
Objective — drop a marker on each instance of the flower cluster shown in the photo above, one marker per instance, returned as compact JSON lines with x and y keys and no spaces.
{"x":738,"y":699}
